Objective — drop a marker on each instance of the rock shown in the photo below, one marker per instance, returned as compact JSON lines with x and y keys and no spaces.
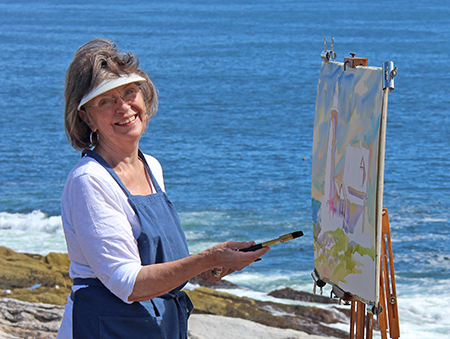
{"x":207,"y":326}
{"x":21,"y":319}
{"x":34,"y":278}
{"x":289,"y":293}
{"x":34,"y":287}
{"x":222,"y":284}
{"x":301,"y":318}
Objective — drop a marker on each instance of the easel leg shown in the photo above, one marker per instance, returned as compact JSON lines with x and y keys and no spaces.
{"x":369,"y":325}
{"x":382,"y":319}
{"x":362,"y":320}
{"x":360,"y":317}
{"x":352,"y":320}
{"x":390,"y":292}
{"x":388,"y":318}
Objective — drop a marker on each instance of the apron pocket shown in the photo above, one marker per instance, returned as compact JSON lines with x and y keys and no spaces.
{"x":120,"y":327}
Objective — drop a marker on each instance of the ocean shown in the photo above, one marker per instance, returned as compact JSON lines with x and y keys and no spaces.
{"x":237,"y":84}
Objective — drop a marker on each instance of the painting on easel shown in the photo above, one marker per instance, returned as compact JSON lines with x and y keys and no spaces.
{"x":344,"y":177}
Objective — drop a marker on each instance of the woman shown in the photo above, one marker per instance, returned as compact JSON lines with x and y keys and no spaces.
{"x":128,"y":252}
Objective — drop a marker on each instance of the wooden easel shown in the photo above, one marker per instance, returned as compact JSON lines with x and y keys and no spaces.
{"x":387,"y":311}
{"x":388,"y":318}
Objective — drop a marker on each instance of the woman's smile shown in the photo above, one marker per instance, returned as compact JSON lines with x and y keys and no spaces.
{"x":127,"y":121}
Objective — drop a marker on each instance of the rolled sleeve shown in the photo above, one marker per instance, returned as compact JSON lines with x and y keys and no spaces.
{"x":104,"y":245}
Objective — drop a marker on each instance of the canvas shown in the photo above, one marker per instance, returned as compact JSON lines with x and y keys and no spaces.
{"x":344,"y":177}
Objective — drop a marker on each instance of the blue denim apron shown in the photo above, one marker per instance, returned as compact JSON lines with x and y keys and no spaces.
{"x":97,"y":313}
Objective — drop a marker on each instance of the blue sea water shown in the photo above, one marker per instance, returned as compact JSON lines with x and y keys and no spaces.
{"x":237,"y":84}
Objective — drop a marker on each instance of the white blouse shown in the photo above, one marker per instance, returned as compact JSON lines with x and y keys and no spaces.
{"x":101,"y":229}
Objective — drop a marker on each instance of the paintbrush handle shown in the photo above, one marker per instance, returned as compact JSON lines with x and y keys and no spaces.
{"x":252,"y":248}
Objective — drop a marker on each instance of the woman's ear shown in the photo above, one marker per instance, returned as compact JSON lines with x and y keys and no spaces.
{"x":85,"y":117}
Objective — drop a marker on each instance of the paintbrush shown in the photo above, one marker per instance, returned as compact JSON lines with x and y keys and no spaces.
{"x":282,"y":238}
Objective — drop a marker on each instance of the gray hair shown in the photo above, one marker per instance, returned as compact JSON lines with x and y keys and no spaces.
{"x":93,"y":62}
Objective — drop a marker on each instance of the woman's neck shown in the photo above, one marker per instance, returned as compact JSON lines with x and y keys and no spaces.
{"x":128,"y":167}
{"x":118,"y":156}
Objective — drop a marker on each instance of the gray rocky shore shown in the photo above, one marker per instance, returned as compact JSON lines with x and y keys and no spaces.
{"x":34,"y":288}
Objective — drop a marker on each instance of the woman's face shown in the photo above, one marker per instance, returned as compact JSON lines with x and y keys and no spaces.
{"x":118,"y":116}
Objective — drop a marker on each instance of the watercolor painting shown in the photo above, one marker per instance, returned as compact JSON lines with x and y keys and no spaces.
{"x":344,"y":177}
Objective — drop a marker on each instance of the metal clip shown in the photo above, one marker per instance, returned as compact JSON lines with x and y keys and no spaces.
{"x":317,"y":281}
{"x":328,"y":55}
{"x":376,"y":309}
{"x":332,"y":53}
{"x":389,"y":73}
{"x":320,"y":286}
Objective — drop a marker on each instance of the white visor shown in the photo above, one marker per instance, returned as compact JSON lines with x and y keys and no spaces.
{"x":109,"y":84}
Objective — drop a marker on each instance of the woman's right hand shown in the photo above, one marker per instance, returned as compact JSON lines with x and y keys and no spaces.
{"x":155,"y":280}
{"x":215,"y":274}
{"x":228,"y":256}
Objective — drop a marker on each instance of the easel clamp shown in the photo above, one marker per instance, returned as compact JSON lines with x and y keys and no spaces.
{"x":328,"y":55}
{"x":352,"y":61}
{"x":317,"y":281}
{"x":389,"y":72}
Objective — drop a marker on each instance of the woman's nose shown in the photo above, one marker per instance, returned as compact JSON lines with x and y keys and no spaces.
{"x":121,"y":103}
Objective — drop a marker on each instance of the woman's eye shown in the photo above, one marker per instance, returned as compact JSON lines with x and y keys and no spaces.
{"x":104,"y":102}
{"x":130,"y":93}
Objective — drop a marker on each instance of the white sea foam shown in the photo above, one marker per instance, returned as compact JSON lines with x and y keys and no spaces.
{"x":435,"y":219}
{"x":35,"y":221}
{"x":422,"y":309}
{"x":421,"y":302}
{"x":421,"y":306}
{"x":202,"y":218}
{"x":34,"y":232}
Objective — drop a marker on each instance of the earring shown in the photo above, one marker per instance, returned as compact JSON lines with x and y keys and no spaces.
{"x":91,"y":139}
